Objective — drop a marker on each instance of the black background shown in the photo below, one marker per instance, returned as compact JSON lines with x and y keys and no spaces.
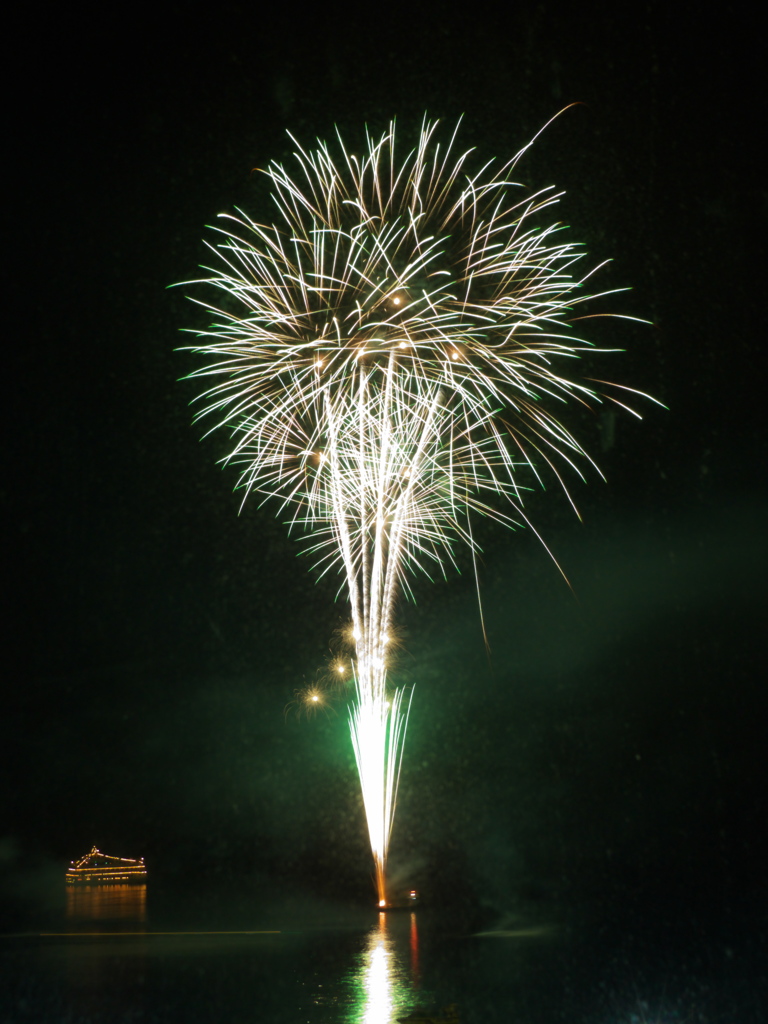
{"x":612,"y":750}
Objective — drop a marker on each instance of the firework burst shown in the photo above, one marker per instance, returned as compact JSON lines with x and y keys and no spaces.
{"x":387,"y":355}
{"x":309,"y":700}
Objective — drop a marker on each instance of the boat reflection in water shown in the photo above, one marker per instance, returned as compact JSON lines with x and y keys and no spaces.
{"x":101,"y":904}
{"x":387,"y":971}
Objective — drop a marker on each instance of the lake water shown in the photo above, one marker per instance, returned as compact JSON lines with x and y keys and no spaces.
{"x":116,"y":956}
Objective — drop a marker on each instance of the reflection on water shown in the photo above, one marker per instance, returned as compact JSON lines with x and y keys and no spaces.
{"x":126,"y":904}
{"x":106,"y":969}
{"x":386,"y":972}
{"x":414,"y":943}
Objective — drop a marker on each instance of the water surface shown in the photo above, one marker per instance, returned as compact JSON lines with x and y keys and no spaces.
{"x":110,"y":960}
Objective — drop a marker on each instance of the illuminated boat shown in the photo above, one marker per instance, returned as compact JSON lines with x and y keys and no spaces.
{"x":97,"y":868}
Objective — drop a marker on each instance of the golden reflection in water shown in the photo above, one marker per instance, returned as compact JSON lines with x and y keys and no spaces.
{"x":385,"y":981}
{"x":414,"y":943}
{"x":124,"y":903}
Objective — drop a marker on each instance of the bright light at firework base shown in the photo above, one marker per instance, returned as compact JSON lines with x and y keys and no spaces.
{"x":378,"y":724}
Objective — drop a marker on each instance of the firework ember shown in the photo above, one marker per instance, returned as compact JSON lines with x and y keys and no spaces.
{"x":387,"y":356}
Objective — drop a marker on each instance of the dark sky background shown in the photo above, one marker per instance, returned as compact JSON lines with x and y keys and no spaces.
{"x":613,"y":748}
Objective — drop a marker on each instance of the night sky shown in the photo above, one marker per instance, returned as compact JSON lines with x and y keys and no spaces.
{"x":611,"y":749}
